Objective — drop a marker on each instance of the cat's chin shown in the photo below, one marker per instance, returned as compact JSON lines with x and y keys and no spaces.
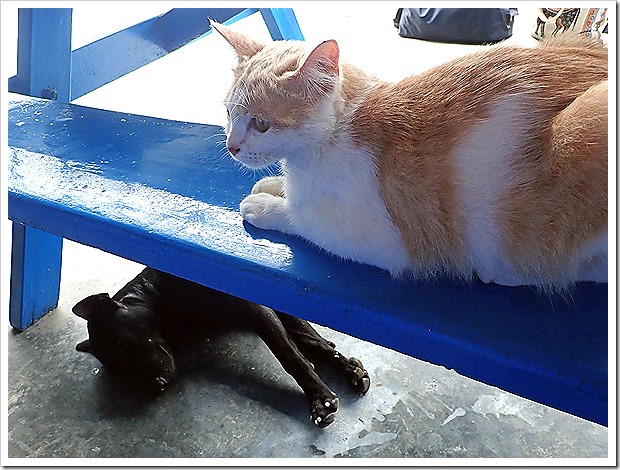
{"x":255,"y":162}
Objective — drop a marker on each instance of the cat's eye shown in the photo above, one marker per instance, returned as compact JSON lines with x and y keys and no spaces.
{"x":262,"y":125}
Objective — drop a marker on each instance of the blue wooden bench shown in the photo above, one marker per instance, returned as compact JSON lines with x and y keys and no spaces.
{"x":159,"y":192}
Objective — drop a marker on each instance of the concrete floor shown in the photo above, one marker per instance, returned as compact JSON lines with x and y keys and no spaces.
{"x":232,"y":398}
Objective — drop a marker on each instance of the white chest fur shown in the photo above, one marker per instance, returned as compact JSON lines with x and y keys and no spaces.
{"x":334,"y":201}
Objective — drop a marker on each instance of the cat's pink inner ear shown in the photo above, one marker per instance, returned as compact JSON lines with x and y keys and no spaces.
{"x":244,"y":46}
{"x":324,"y":58}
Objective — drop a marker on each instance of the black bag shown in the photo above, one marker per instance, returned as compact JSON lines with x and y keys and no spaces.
{"x":456,"y":25}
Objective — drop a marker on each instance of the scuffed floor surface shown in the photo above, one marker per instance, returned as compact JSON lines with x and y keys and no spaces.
{"x":233,"y":399}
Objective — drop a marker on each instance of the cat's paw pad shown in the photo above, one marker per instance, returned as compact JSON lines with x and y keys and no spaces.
{"x":323,"y":410}
{"x":273,"y":185}
{"x":265,"y":211}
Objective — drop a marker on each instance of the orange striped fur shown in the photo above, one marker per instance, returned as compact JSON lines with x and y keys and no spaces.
{"x":492,"y":164}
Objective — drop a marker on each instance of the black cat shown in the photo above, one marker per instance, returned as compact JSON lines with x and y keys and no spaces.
{"x":131,"y":332}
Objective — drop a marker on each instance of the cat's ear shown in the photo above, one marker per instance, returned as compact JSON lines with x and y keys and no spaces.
{"x":319,"y":72}
{"x":323,"y":59}
{"x":84,"y":346}
{"x":244,"y":46}
{"x":94,"y":305}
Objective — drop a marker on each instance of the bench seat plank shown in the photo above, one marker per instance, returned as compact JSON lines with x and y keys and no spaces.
{"x":165,"y":194}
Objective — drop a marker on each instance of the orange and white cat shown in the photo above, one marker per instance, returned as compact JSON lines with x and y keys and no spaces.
{"x":493,"y":164}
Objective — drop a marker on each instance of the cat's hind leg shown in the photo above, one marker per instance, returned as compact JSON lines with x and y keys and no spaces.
{"x":579,"y":162}
{"x":318,"y":349}
{"x":323,"y":403}
{"x":579,"y":134}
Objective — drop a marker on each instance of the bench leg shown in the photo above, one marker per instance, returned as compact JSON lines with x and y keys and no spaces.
{"x":282,"y":23}
{"x":35,"y":275}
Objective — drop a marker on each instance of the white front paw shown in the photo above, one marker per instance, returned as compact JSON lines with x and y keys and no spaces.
{"x":271,"y":185}
{"x":266,"y":211}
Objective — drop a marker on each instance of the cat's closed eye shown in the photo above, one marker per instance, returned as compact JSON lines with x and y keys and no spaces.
{"x":262,"y":125}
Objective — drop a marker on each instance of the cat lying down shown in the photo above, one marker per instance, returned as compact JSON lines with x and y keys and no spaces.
{"x":131,"y":333}
{"x":491,"y":165}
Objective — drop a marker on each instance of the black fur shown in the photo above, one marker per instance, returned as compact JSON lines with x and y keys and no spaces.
{"x":131,"y":333}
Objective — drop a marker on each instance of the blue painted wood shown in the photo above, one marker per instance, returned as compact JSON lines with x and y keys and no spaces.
{"x":282,"y":23}
{"x":48,"y":68}
{"x":35,"y":275}
{"x":45,"y":40}
{"x":44,"y":53}
{"x":45,"y":56}
{"x":116,"y":55}
{"x":160,"y":193}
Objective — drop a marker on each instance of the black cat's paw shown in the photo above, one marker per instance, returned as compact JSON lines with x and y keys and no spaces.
{"x":323,"y":410}
{"x":359,"y":376}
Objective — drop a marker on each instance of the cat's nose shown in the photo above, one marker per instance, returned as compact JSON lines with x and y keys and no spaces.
{"x":233,"y":150}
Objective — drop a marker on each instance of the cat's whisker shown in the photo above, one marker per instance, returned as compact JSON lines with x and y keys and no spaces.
{"x":245,"y":87}
{"x":298,"y":170}
{"x":235,"y":119}
{"x":238,"y":104}
{"x":235,"y":101}
{"x":216,"y":135}
{"x":270,"y":170}
{"x":247,"y":171}
{"x":237,"y":98}
{"x":240,"y":95}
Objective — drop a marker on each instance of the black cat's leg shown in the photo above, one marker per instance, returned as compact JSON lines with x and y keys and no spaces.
{"x":322,"y":401}
{"x":317,"y":348}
